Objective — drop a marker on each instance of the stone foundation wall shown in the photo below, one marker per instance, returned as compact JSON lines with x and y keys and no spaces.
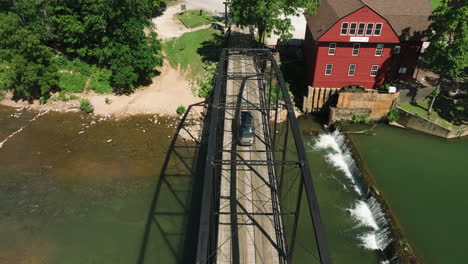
{"x":346,"y":114}
{"x":411,"y":121}
{"x":378,"y":103}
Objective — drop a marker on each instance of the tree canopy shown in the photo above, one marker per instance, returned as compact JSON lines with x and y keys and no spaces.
{"x":25,"y":62}
{"x":112,"y":34}
{"x":448,"y":51}
{"x":269,"y":15}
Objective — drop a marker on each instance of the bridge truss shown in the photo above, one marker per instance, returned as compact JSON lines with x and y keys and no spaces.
{"x":282,"y":157}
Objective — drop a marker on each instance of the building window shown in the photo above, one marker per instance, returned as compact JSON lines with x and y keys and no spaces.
{"x":396,"y":49}
{"x":328,"y":69}
{"x":370,"y":28}
{"x":331,"y":49}
{"x":379,"y":50}
{"x":344,"y":28}
{"x":374,"y":69}
{"x":402,"y":70}
{"x":352,"y":29}
{"x":352,"y":69}
{"x":356,"y":47}
{"x":361,"y":28}
{"x":378,"y":29}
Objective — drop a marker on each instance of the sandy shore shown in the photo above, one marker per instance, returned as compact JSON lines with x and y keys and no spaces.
{"x":168,"y":91}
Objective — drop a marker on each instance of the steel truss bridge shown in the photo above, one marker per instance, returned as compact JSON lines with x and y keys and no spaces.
{"x":255,"y":199}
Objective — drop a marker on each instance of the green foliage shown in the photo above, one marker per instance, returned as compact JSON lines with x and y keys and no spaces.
{"x":393,"y":115}
{"x":86,"y":106}
{"x":193,"y":18}
{"x":448,"y":52}
{"x":43,"y":100}
{"x":111,"y":34}
{"x":71,"y":82}
{"x":100,"y":81}
{"x":184,"y":51}
{"x":268,"y":15}
{"x":384,"y":87}
{"x":181,"y":110}
{"x":361,"y":119}
{"x":73,"y":97}
{"x":204,"y":86}
{"x":2,"y":95}
{"x":28,"y":70}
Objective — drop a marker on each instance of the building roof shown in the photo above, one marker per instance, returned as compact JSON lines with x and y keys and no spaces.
{"x":408,"y":18}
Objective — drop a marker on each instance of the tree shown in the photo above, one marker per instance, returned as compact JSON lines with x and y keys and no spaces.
{"x":26,"y":62}
{"x":269,"y":15}
{"x":448,"y":51}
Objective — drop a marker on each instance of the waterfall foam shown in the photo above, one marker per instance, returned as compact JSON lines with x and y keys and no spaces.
{"x":367,"y":212}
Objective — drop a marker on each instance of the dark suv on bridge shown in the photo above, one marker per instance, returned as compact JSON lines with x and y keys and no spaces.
{"x":246,"y":131}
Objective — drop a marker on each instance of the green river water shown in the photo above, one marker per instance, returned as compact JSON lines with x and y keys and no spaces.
{"x":425,"y":181}
{"x":85,"y":198}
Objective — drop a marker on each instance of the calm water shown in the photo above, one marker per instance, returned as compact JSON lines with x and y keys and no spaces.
{"x":425,"y":180}
{"x":74,"y":189}
{"x":79,"y":190}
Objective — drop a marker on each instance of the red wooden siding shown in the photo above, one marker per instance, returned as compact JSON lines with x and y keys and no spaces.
{"x":364,"y":14}
{"x":317,"y":57}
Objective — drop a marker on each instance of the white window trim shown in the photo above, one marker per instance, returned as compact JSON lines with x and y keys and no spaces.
{"x":355,"y":29}
{"x":376,"y":70}
{"x":358,"y":48}
{"x":347,"y":28}
{"x":367,"y":27}
{"x":375,"y":27}
{"x":331,"y":69}
{"x":363,"y":31}
{"x":381,"y":49}
{"x":349,"y":70}
{"x":330,"y":49}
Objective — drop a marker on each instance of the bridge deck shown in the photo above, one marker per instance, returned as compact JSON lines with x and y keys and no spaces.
{"x":248,"y":231}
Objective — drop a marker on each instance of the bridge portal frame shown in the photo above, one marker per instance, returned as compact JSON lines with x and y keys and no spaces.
{"x":207,"y":232}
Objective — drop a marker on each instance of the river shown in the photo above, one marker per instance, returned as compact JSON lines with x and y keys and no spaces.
{"x":77,"y":189}
{"x":424,"y":179}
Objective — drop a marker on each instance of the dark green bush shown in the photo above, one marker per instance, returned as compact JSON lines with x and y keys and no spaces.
{"x":393,"y":115}
{"x":86,"y":106}
{"x":181,"y":110}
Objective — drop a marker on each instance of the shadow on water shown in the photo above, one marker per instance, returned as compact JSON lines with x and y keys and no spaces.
{"x":172,"y":224}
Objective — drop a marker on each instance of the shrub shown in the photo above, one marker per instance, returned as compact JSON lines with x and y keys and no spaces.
{"x":43,"y":100}
{"x":181,"y":110}
{"x":107,"y":100}
{"x":205,"y":85}
{"x":73,"y":97}
{"x":393,"y":115}
{"x":100,"y":81}
{"x":360,"y":119}
{"x":2,"y":95}
{"x":86,"y":106}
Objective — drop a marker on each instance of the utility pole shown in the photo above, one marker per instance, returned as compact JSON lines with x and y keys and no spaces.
{"x":225,"y":13}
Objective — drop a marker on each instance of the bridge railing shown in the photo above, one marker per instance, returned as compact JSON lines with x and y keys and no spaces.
{"x":295,"y":205}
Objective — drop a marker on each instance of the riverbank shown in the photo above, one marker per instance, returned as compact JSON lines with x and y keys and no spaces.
{"x":162,"y":97}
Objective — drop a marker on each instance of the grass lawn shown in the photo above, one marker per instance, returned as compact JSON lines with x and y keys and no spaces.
{"x":435,"y":3}
{"x":188,"y":51}
{"x":444,"y":111}
{"x":192,"y":18}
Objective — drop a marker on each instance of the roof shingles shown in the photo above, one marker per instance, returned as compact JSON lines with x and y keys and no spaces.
{"x":408,"y":18}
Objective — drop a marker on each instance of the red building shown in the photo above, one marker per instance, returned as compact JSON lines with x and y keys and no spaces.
{"x":364,"y":42}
